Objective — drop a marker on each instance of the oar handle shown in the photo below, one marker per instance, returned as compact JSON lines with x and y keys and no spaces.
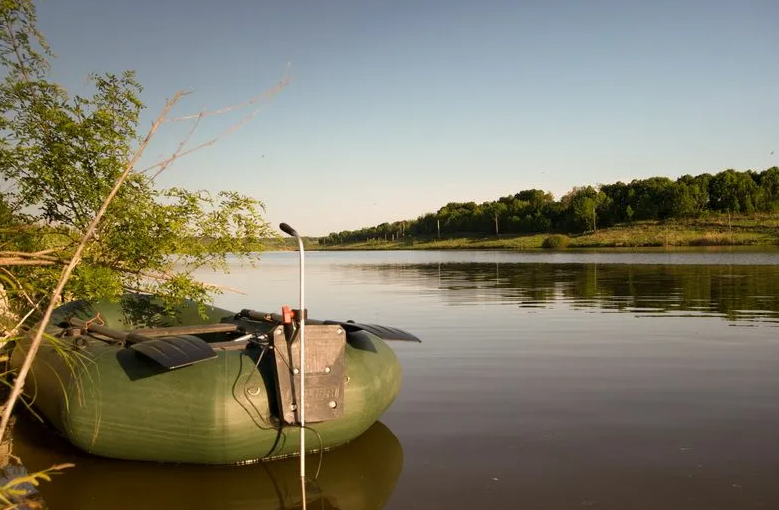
{"x":274,"y":318}
{"x":130,"y":338}
{"x":258,"y":316}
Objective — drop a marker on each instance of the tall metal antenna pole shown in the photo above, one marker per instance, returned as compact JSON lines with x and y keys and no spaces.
{"x":302,"y":403}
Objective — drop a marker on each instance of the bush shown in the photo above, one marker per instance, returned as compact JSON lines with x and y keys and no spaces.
{"x":555,"y":242}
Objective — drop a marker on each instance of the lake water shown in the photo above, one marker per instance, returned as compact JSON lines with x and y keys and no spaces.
{"x":544,"y":381}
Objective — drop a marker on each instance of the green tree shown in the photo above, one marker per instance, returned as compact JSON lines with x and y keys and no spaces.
{"x":494,"y":217}
{"x":580,"y":206}
{"x":60,"y":155}
{"x":698,"y":190}
{"x":651,"y":198}
{"x":682,"y":200}
{"x":618,"y":209}
{"x":732,"y":191}
{"x":769,"y":184}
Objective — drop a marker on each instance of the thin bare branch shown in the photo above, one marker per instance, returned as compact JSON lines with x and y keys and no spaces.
{"x":165,"y":163}
{"x":212,"y":286}
{"x":235,"y":127}
{"x":17,"y":261}
{"x":180,"y":150}
{"x":68,"y":270}
{"x":224,"y":287}
{"x":10,"y":186}
{"x":11,"y":332}
{"x":17,"y":49}
{"x":265,"y":94}
{"x":19,"y":287}
{"x":162,"y":276}
{"x":42,"y":255}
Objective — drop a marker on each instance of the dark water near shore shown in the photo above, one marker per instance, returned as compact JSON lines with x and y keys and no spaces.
{"x":544,"y":381}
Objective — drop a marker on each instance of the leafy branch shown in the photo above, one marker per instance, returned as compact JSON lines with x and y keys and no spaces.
{"x":13,"y":493}
{"x":77,"y":218}
{"x":68,"y":270}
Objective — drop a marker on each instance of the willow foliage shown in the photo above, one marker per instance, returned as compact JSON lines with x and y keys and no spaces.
{"x":60,"y":155}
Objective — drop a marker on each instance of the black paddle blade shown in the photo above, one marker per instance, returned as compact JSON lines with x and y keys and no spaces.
{"x":175,"y":351}
{"x":383,"y":332}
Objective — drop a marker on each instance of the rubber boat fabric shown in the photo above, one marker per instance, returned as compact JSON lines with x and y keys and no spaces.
{"x":205,"y":385}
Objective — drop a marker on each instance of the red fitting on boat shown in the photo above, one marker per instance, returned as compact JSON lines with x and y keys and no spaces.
{"x":286,"y":314}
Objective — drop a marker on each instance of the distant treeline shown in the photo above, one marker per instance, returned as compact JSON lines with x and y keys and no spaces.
{"x":589,"y":208}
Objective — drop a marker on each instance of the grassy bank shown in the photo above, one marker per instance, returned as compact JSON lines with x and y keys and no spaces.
{"x":287,"y":244}
{"x":760,"y":230}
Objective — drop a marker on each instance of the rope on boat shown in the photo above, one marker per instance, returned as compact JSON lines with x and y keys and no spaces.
{"x":248,"y":395}
{"x":97,"y":319}
{"x":265,"y":349}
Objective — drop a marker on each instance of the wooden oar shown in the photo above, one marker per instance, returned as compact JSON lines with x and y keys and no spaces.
{"x":198,"y":329}
{"x":128,"y":337}
{"x":170,"y":352}
{"x":384,"y":332}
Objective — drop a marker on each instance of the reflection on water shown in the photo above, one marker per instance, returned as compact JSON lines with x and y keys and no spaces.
{"x":350,"y":477}
{"x":544,"y":381}
{"x":738,"y":292}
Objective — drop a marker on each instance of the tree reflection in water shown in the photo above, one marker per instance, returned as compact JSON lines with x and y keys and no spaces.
{"x":735,"y":292}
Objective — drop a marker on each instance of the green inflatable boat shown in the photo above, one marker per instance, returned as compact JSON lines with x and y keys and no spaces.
{"x":204,"y":385}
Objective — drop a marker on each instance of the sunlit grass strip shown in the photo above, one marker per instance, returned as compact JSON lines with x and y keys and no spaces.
{"x":706,"y":232}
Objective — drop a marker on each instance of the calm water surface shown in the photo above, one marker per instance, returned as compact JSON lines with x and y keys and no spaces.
{"x":544,"y":381}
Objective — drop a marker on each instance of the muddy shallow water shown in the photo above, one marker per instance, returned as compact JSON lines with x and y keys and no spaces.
{"x":618,"y":380}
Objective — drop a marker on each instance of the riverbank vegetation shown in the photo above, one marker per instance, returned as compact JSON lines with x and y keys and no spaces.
{"x":730,"y":207}
{"x":714,"y":230}
{"x":80,"y":217}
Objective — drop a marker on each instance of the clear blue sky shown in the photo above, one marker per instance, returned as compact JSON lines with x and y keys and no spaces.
{"x":398,"y":107}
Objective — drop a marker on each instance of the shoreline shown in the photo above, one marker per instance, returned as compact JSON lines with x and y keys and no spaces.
{"x":760,"y":230}
{"x":717,"y":232}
